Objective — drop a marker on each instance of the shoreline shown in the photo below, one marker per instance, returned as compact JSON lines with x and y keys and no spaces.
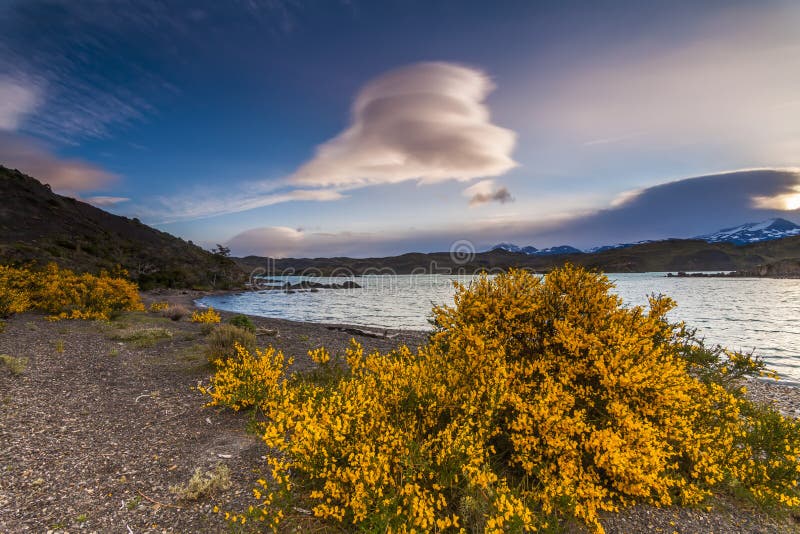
{"x":763,"y":388}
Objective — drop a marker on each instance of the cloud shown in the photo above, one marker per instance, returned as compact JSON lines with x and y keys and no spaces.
{"x":201,"y":204}
{"x":485,"y":191}
{"x":782,"y":201}
{"x":682,"y":208}
{"x":17,"y":100}
{"x":65,"y":176}
{"x":106,"y":201}
{"x":54,"y":46}
{"x":425,"y":122}
{"x":283,"y":242}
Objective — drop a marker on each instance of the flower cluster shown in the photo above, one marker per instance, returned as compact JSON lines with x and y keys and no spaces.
{"x":208,"y":316}
{"x":534,"y":399}
{"x":67,"y":295}
{"x":14,"y":294}
{"x":158,"y":307}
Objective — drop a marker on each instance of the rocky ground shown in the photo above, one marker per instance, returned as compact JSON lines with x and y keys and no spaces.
{"x":103,"y":423}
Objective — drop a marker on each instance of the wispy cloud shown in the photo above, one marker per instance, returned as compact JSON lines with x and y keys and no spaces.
{"x":17,"y":100}
{"x":65,"y":176}
{"x":54,"y":47}
{"x":200,"y":203}
{"x":486,"y":191}
{"x":103,"y":201}
{"x":422,"y":122}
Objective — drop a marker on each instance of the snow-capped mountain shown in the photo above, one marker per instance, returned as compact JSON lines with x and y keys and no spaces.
{"x":615,"y":246}
{"x":533,"y":251}
{"x":739,"y":235}
{"x":511,"y":247}
{"x":563,"y":249}
{"x":754,"y":232}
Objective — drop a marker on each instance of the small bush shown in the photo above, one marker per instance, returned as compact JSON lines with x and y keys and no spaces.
{"x":15,"y":365}
{"x":223,"y":339}
{"x":242,"y":321}
{"x":176,"y":312}
{"x":203,"y":485}
{"x":143,"y":337}
{"x":157,"y":307}
{"x":208,"y":316}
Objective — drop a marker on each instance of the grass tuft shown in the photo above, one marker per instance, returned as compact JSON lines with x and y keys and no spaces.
{"x":203,"y":485}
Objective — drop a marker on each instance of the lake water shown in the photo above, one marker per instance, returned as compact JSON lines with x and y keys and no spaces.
{"x":740,"y":313}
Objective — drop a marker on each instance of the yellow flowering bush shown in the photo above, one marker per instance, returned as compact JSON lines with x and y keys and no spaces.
{"x":158,"y":307}
{"x":534,"y":399}
{"x":14,"y":297}
{"x":208,"y":316}
{"x":67,"y":295}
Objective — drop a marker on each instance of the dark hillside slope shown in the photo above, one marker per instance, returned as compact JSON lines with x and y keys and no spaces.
{"x":37,"y":225}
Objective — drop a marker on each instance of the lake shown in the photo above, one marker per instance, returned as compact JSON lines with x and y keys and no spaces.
{"x":740,"y":313}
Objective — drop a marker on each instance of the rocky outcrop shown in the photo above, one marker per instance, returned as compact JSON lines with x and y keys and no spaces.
{"x":778,"y":269}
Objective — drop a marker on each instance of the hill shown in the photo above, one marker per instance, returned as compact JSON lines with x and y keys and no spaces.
{"x":666,"y":255}
{"x":37,"y":225}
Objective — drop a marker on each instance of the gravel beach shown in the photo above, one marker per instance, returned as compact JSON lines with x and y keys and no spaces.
{"x":101,"y":424}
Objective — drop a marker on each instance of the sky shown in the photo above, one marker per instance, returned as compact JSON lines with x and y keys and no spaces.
{"x":367,"y":128}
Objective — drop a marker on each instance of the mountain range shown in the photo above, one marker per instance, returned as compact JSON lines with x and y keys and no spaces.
{"x":754,"y":232}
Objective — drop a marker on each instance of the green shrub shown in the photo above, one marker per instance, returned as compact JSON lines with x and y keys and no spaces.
{"x":242,"y":321}
{"x":223,"y":339}
{"x":15,"y":365}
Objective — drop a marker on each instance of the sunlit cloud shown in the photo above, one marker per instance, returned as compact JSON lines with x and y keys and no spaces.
{"x":103,"y":201}
{"x":283,"y":242}
{"x":486,"y":191}
{"x":65,"y":176}
{"x":423,"y":122}
{"x":626,"y":197}
{"x":784,"y":202}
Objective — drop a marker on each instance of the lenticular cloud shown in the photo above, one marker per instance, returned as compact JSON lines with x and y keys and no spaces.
{"x":426,"y":121}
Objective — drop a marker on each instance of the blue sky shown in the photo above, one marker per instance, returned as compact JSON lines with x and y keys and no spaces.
{"x":304,"y":128}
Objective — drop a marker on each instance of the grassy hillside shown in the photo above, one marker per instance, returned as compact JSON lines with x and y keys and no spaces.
{"x":37,"y":225}
{"x":667,"y":255}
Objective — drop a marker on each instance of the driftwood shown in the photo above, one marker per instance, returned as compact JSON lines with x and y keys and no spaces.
{"x":365,"y":333}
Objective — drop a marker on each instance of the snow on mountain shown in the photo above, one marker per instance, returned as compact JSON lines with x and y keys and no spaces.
{"x":753,"y":232}
{"x":616,"y":246}
{"x":740,"y":235}
{"x":533,"y":251}
{"x":563,"y":249}
{"x":511,"y":247}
